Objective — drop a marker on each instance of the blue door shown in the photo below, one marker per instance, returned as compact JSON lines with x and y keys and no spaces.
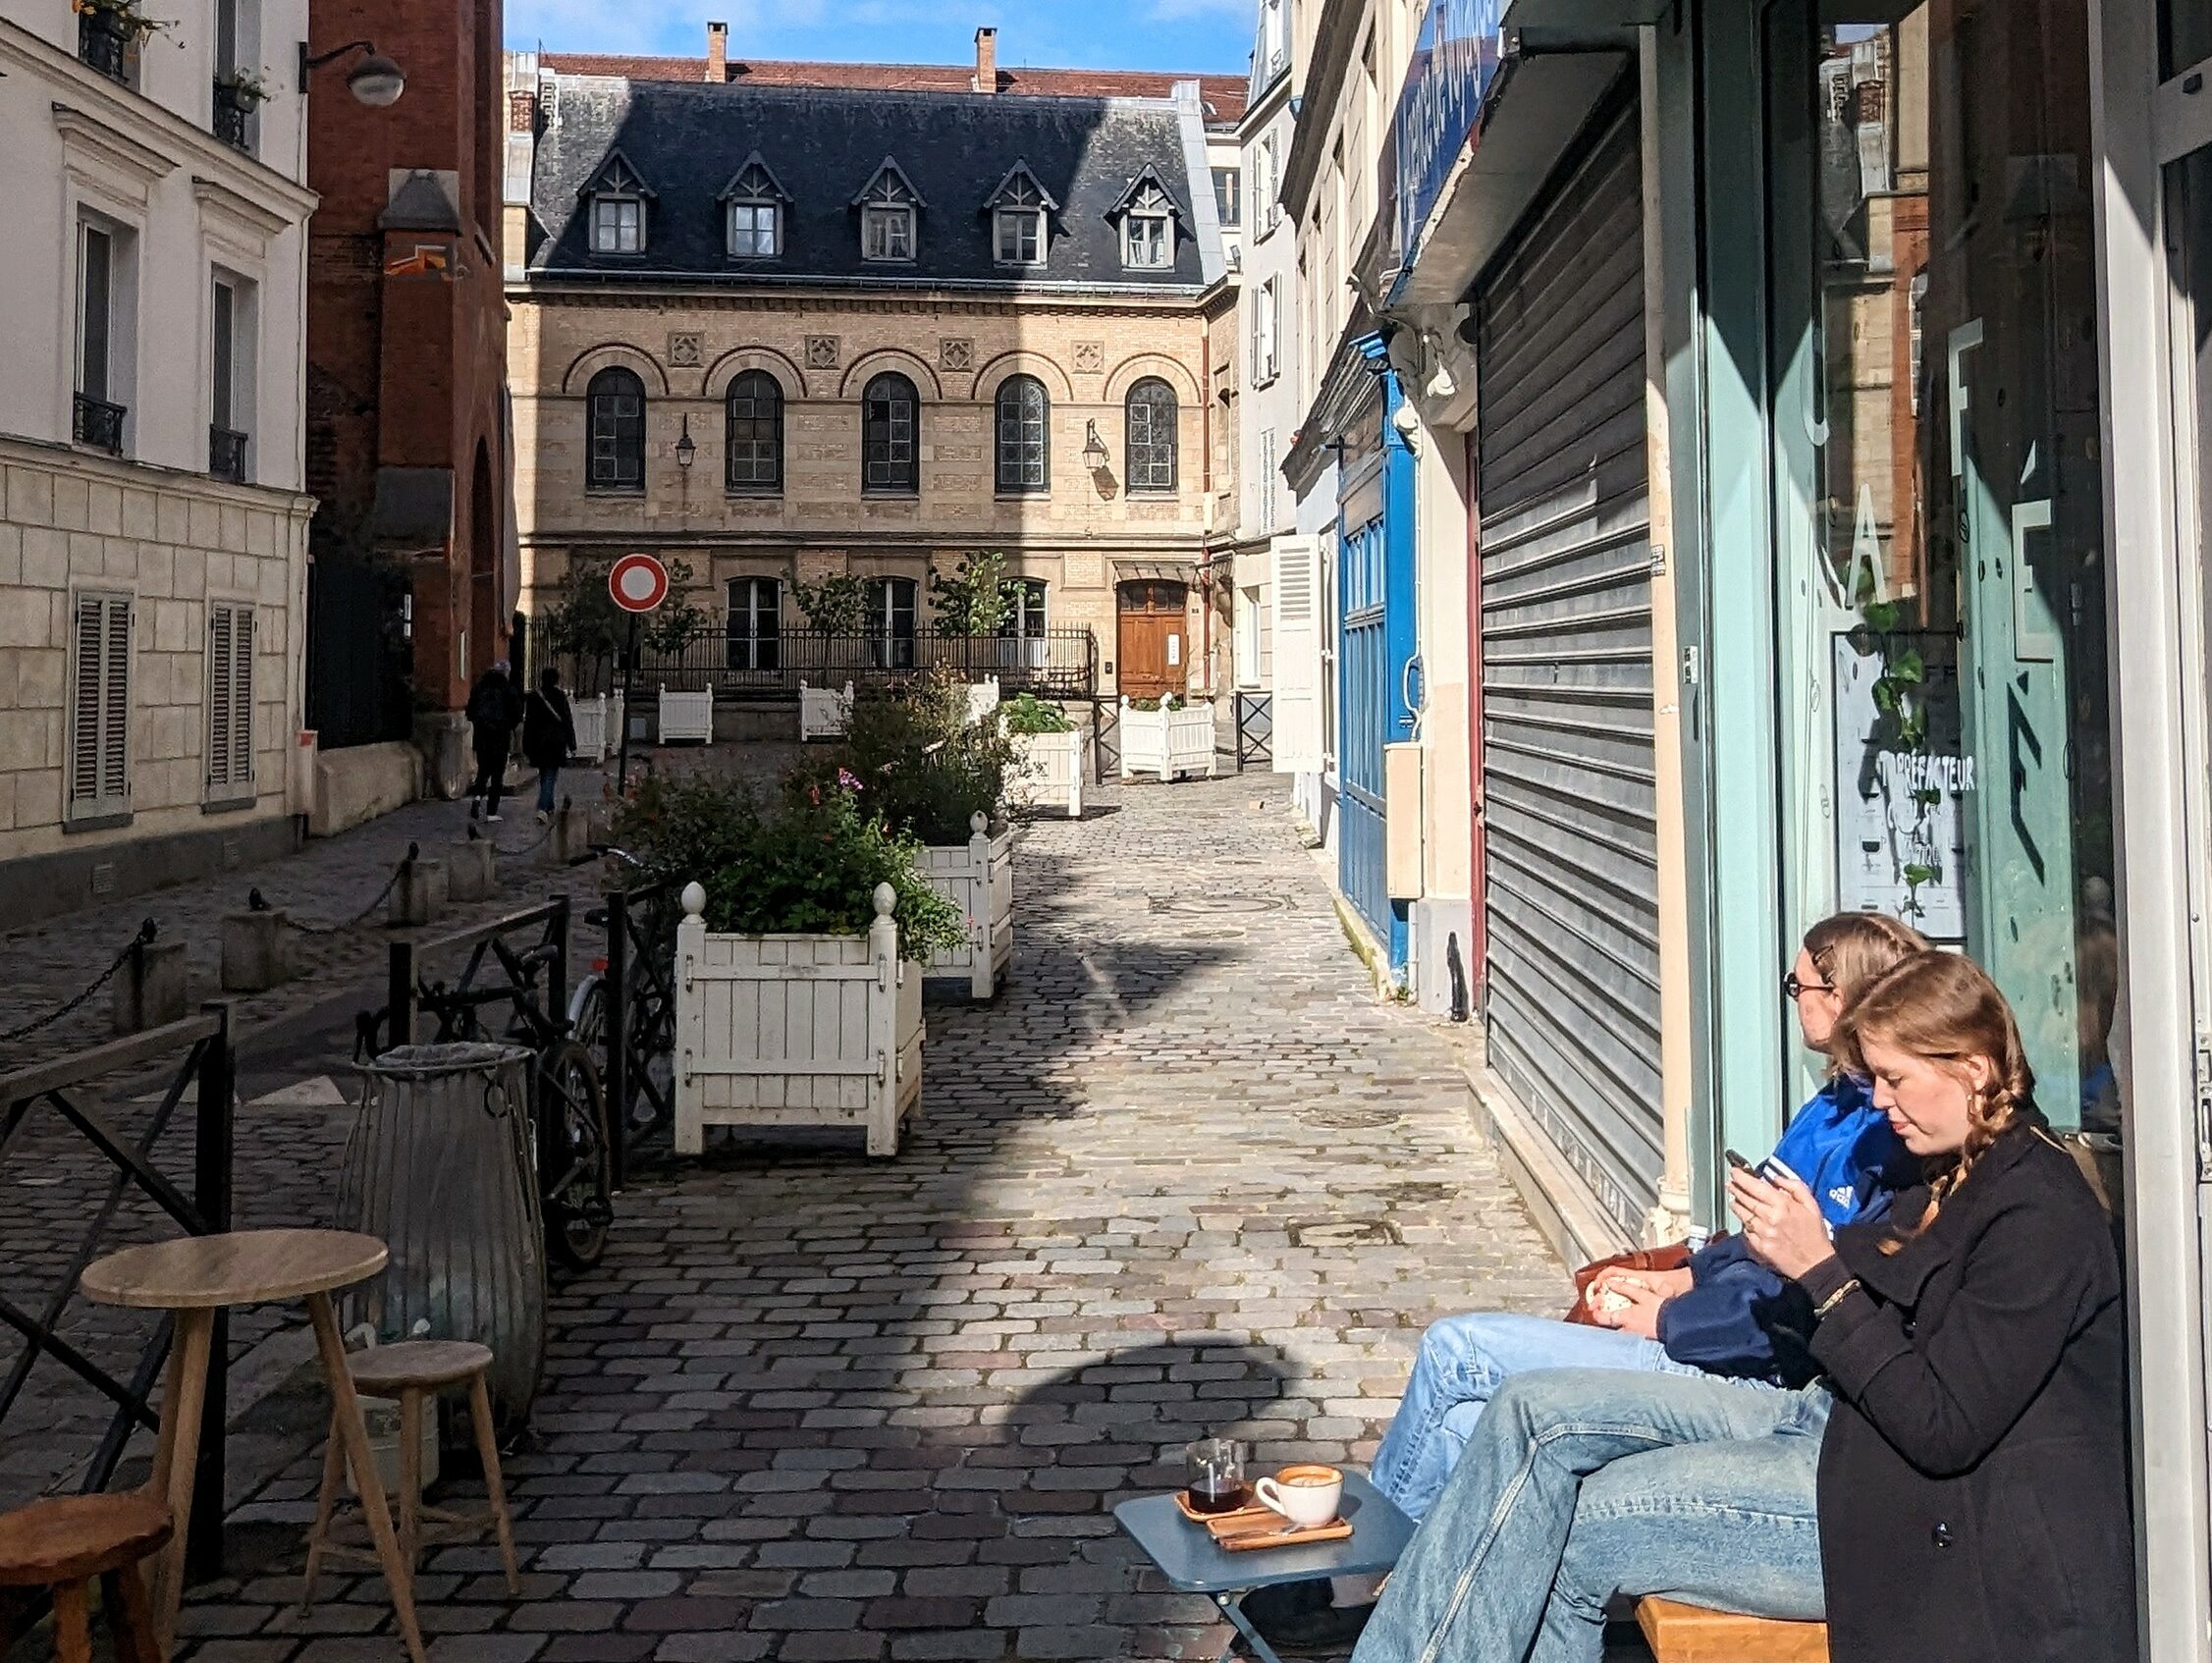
{"x":1374,"y":646}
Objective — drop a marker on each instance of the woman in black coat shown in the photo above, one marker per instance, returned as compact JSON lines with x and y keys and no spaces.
{"x":549,"y":734}
{"x":1973,"y":1485}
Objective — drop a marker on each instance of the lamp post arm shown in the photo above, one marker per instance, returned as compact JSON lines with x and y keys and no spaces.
{"x":316,"y":62}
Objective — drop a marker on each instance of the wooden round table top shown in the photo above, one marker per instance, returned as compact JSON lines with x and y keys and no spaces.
{"x":68,"y":1538}
{"x":239,"y":1267}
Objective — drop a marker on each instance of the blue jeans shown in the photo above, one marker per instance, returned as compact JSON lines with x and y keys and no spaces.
{"x":1462,"y":1362}
{"x":1583,"y":1484}
{"x":547,"y":777}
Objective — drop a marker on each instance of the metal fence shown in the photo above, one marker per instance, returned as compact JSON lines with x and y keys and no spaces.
{"x":735,"y":664}
{"x":1255,"y":730}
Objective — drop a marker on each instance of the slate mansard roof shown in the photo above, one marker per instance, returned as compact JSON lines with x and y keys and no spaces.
{"x":824,"y":146}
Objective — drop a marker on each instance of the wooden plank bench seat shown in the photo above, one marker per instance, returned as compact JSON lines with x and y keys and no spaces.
{"x":1691,"y":1633}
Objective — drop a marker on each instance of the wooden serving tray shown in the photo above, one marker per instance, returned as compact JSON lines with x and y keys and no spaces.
{"x":1257,"y":1527}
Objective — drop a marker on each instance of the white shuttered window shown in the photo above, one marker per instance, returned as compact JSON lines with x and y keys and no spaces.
{"x":230,"y":701}
{"x":1298,"y":615}
{"x":99,"y":742}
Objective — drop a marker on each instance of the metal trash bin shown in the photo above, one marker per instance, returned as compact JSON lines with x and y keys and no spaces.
{"x":441,"y":1168}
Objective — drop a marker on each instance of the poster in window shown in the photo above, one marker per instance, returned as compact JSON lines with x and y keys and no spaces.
{"x":1902,"y":780}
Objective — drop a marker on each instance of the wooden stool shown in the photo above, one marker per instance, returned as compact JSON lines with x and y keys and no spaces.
{"x":415,"y":1372}
{"x":64,"y":1544}
{"x":1691,"y":1633}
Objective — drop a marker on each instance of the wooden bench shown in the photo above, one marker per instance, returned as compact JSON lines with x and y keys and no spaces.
{"x":1691,"y":1633}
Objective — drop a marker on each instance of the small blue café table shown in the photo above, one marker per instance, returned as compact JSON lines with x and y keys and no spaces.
{"x":1191,"y":1561}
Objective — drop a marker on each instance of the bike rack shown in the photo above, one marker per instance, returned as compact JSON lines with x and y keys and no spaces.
{"x":641,"y":1010}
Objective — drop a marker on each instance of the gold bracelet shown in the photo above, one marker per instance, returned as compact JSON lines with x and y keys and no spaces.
{"x":1835,"y":1298}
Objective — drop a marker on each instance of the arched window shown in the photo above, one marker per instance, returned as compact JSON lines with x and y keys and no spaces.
{"x":1025,"y":451}
{"x":1151,"y":412}
{"x":616,"y":401}
{"x":889,"y":422}
{"x":755,"y":435}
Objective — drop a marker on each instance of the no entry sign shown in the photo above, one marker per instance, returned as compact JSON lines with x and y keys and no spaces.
{"x":638,"y":582}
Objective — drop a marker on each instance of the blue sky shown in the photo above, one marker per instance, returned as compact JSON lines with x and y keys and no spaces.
{"x":1211,"y":35}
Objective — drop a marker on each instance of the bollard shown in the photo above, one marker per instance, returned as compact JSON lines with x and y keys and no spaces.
{"x":152,"y":986}
{"x":472,"y":872}
{"x":570,"y":843}
{"x":419,"y":896}
{"x":256,"y":951}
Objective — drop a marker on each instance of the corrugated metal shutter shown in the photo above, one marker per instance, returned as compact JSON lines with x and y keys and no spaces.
{"x":1570,"y":835}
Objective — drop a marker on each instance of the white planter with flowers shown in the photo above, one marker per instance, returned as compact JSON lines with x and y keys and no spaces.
{"x":1053,"y":770}
{"x":1172,"y":741}
{"x":687,"y":718}
{"x":825,"y":713}
{"x":787,"y":1031}
{"x":978,"y":878}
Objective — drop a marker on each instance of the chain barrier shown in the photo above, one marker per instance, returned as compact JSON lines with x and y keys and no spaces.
{"x":256,"y":902}
{"x":145,"y":937}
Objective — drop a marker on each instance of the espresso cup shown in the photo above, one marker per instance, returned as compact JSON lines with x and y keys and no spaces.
{"x":1306,"y":1494}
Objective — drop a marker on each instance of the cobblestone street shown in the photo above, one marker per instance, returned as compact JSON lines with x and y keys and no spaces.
{"x":1186,"y":1175}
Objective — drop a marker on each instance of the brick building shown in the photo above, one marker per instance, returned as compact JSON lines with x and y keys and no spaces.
{"x":407,"y":428}
{"x":902,"y":313}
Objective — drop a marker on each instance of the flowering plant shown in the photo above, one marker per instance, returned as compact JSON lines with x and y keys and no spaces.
{"x":247,"y":89}
{"x":121,"y":16}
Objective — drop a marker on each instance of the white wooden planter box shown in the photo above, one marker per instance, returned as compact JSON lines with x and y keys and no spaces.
{"x":687,"y":717}
{"x":983,"y":698}
{"x":1053,"y":770}
{"x":1169,"y":744}
{"x":824,"y":712}
{"x":599,"y":726}
{"x":777,"y":1031}
{"x":978,"y":878}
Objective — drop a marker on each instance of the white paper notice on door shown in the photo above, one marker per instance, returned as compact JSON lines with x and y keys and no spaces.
{"x":1174,"y":650}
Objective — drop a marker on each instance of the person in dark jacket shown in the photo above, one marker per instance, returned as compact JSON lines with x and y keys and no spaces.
{"x":495,"y":711}
{"x":549,"y":734}
{"x":1956,"y":1488}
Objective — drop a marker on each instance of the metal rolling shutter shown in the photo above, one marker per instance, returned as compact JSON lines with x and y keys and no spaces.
{"x":1569,"y":832}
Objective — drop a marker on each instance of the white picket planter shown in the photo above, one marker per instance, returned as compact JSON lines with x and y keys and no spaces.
{"x":778,"y":1031}
{"x":687,"y":717}
{"x":1053,"y":770}
{"x":978,"y":878}
{"x":983,"y":698}
{"x":1169,"y":744}
{"x":599,"y":726}
{"x":824,"y":712}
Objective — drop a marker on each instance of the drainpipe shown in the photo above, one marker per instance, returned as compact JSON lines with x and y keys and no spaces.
{"x":1670,"y":1220}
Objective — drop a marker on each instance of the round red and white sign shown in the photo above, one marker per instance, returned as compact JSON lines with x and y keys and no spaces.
{"x":638,"y":583}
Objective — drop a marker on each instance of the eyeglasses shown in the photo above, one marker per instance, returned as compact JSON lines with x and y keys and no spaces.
{"x":1793,"y":989}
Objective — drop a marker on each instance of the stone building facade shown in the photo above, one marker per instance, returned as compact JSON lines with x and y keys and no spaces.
{"x":1063,"y":410}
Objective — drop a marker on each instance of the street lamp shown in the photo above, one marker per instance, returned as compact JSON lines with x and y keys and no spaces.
{"x":376,"y":81}
{"x":1094,"y":448}
{"x":686,"y":451}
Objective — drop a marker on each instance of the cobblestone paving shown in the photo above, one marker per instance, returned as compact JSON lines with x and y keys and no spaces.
{"x":1184,"y":1176}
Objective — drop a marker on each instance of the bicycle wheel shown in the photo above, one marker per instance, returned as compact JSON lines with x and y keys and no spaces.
{"x":575,"y":1171}
{"x":590,"y":1029}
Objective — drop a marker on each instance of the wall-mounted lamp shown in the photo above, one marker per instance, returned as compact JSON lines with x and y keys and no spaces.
{"x":686,"y":453}
{"x":1440,"y":384}
{"x":1094,"y":448}
{"x":376,"y":81}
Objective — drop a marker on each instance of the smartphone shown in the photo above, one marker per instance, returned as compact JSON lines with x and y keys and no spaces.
{"x":1739,"y":1163}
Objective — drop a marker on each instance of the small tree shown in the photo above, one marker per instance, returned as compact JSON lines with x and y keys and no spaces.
{"x":836,"y":606}
{"x":585,"y":622}
{"x":971,"y":599}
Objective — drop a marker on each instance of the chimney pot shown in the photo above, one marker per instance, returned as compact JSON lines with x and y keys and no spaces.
{"x":718,"y":53}
{"x":987,"y":60}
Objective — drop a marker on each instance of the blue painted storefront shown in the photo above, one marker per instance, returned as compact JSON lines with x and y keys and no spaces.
{"x":1374,"y":651}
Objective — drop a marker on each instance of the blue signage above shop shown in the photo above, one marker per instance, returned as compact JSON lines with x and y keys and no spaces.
{"x":1455,"y":58}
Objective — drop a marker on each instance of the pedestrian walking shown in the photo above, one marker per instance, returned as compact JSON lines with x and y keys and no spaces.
{"x":549,"y":734}
{"x":495,"y":711}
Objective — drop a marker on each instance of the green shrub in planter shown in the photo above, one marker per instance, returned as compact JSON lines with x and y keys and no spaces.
{"x":1027,"y":713}
{"x":1173,"y":701}
{"x":805,"y":862}
{"x":922,"y":765}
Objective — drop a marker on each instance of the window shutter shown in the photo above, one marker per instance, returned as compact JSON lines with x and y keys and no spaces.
{"x":241,"y":697}
{"x":230,"y":697}
{"x":99,"y":763}
{"x":1297,"y":617}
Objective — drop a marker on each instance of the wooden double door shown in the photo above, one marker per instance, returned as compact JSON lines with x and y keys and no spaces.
{"x":1153,"y":658}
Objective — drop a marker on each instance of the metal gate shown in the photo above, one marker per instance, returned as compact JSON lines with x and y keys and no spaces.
{"x":1570,"y":835}
{"x":359,"y":654}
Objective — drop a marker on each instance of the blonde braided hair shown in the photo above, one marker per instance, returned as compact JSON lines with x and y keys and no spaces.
{"x":1944,"y":1009}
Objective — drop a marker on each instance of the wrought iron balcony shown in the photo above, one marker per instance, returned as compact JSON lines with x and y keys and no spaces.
{"x":99,"y":424}
{"x":103,"y":43}
{"x":226,"y":455}
{"x":230,"y":113}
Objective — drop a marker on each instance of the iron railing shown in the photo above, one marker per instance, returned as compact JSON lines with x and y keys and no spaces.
{"x":1255,"y":730}
{"x":104,"y":43}
{"x":736,"y":663}
{"x":230,"y":113}
{"x":636,"y":1016}
{"x":207,"y":1070}
{"x":99,"y":424}
{"x":226,"y":455}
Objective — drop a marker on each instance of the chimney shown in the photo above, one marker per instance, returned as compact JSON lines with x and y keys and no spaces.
{"x":987,"y":60}
{"x":718,"y":53}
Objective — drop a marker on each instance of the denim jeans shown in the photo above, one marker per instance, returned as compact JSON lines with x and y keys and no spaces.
{"x":1583,"y":1484}
{"x":1462,"y":1362}
{"x":547,"y":778}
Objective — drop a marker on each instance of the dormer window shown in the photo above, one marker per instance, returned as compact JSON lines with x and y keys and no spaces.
{"x":618,"y":196}
{"x":1020,"y":219}
{"x":1148,"y":224}
{"x":754,"y":202}
{"x":887,"y":208}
